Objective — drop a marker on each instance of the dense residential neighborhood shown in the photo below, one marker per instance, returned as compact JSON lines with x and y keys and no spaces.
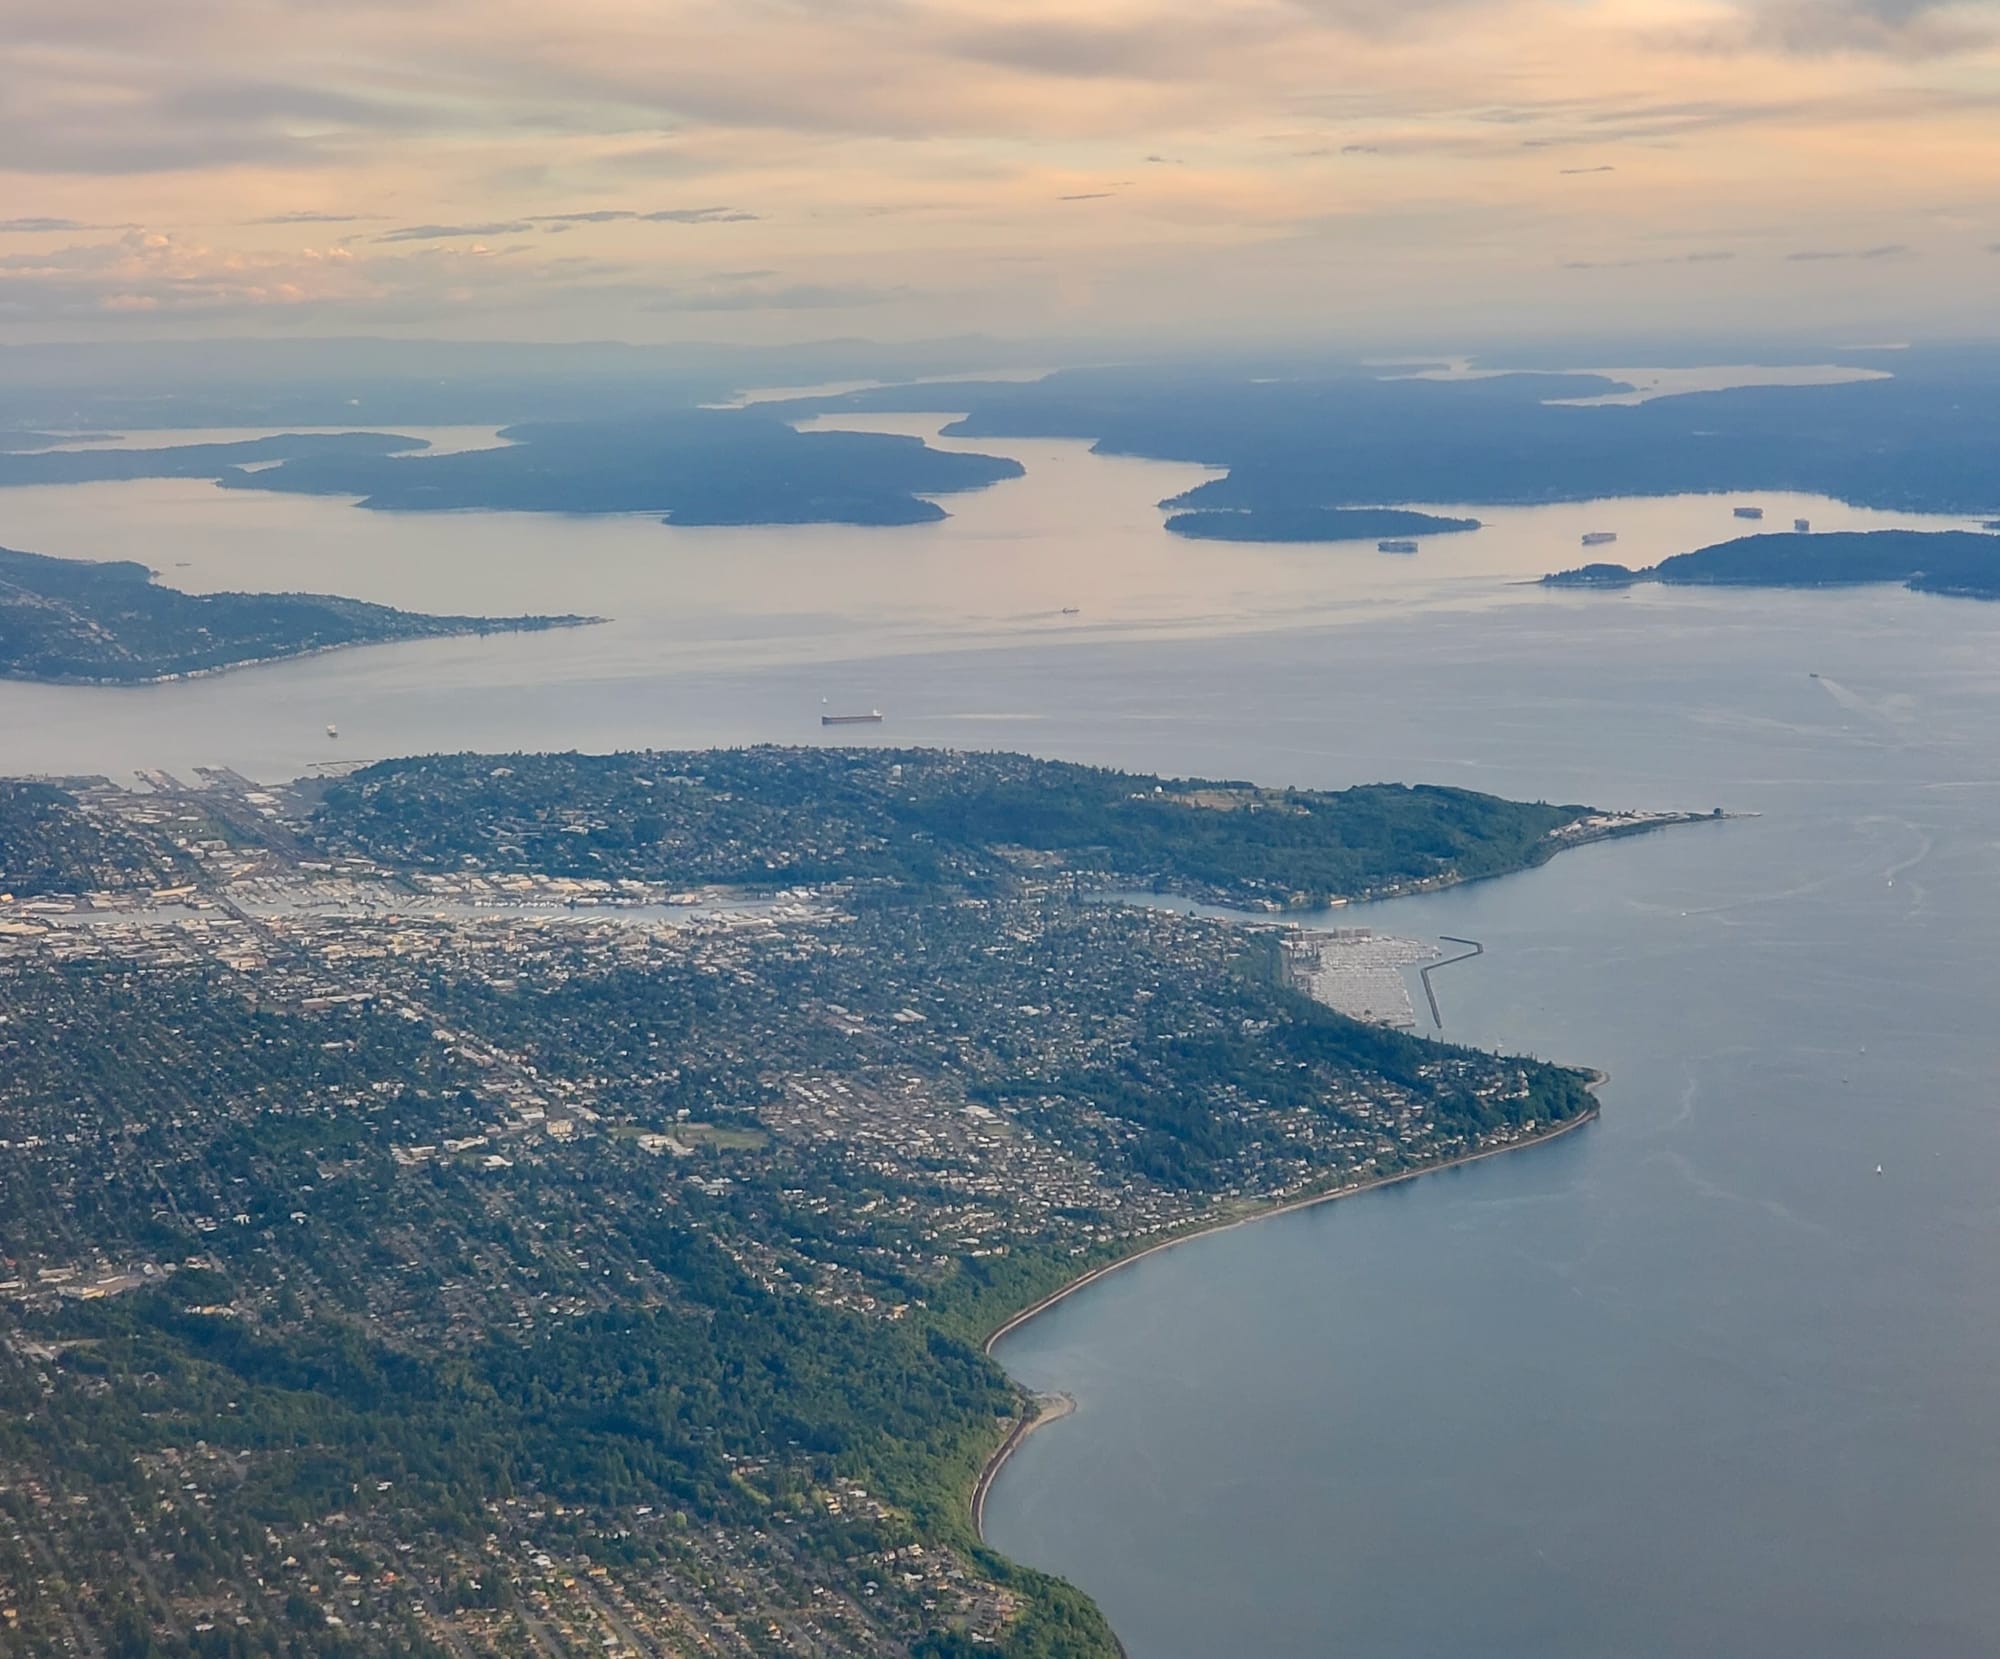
{"x":459,"y":1252}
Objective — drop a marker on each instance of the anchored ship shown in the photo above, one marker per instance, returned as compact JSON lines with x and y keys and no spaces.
{"x":1749,"y":512}
{"x":872,"y":718}
{"x":1397,"y":546}
{"x":1599,"y":538}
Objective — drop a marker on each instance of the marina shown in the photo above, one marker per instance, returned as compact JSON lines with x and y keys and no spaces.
{"x":1359,"y":972}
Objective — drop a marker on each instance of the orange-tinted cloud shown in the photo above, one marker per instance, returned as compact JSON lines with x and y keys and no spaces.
{"x":1160,"y":164}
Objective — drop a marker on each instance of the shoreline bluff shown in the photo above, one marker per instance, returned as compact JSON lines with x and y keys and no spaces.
{"x":1024,"y":1427}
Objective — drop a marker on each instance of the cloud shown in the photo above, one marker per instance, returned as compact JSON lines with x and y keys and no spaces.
{"x":1884,"y":250}
{"x":76,"y":107}
{"x":802,"y":296}
{"x":1717,"y":256}
{"x":1892,"y":28}
{"x":698,"y":216}
{"x":911,"y":141}
{"x":660,"y":216}
{"x":1084,"y":50}
{"x":35,"y":225}
{"x":438,"y":233}
{"x":149,"y":273}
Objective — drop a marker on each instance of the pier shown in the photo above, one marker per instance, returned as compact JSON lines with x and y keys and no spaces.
{"x":1473,"y":948}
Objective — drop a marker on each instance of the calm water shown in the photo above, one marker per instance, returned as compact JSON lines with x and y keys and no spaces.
{"x":731,"y":634}
{"x":1695,"y":1380}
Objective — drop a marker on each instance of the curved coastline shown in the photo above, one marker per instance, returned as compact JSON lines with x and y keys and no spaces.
{"x":1025,"y":1426}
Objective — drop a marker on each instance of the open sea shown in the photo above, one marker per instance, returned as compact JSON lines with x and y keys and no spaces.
{"x":1697,"y":1379}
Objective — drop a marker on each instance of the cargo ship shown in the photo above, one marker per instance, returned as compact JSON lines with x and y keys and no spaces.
{"x":1599,"y":538}
{"x":1397,"y":546}
{"x":872,"y":718}
{"x":1749,"y":512}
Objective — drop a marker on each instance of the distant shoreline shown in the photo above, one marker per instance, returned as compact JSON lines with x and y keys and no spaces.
{"x":108,"y":682}
{"x":1024,"y":1427}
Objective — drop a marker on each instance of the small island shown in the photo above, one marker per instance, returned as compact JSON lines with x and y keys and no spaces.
{"x":1965,"y":563}
{"x":1313,"y":524}
{"x":86,"y":622}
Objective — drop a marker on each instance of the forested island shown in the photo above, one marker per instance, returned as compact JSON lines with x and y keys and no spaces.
{"x":413,"y":1247}
{"x":24,"y":461}
{"x":703,"y":467}
{"x":79,"y":621}
{"x":1960,"y":562}
{"x":1310,"y":524}
{"x":692,"y":466}
{"x":1317,"y":434}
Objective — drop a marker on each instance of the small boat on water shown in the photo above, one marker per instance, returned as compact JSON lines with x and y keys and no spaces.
{"x":1398,"y":545}
{"x":872,"y":718}
{"x":1599,"y":538}
{"x":332,"y":730}
{"x":1749,"y":512}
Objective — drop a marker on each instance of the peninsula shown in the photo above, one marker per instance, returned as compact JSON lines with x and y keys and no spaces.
{"x":1960,"y":562}
{"x":541,"y":1203}
{"x":26,"y":458}
{"x":76,"y":621}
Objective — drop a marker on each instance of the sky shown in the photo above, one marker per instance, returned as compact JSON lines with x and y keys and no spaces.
{"x":776,"y":170}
